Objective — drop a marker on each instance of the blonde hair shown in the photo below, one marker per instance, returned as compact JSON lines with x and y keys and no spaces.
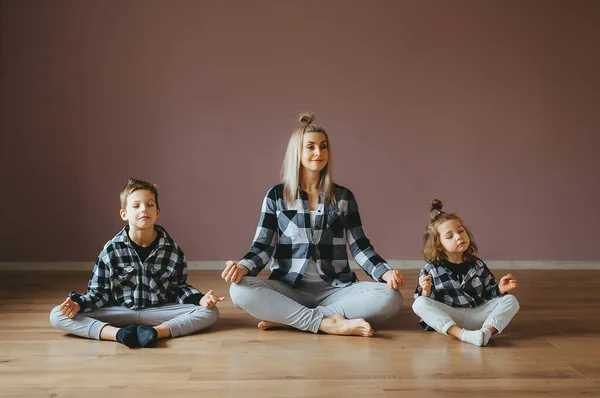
{"x":135,"y":185}
{"x":431,"y":239}
{"x":290,"y":171}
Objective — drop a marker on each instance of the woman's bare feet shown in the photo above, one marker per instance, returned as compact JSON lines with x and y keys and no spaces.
{"x":266,"y":325}
{"x":337,"y":324}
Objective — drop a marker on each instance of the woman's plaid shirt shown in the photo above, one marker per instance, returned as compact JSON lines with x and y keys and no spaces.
{"x":478,"y":286}
{"x":285,"y":236}
{"x":120,"y":278}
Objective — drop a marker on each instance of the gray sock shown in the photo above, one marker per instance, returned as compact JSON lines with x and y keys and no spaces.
{"x":146,"y":335}
{"x":128,"y":336}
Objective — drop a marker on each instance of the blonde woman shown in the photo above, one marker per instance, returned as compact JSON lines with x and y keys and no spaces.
{"x":304,"y":227}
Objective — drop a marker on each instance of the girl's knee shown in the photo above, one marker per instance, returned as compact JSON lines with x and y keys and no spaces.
{"x":56,"y":316}
{"x":418,"y":304}
{"x":512,"y":301}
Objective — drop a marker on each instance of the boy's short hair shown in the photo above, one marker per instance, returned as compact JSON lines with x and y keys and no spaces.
{"x":134,"y":185}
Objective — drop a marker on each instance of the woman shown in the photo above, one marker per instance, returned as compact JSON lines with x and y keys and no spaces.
{"x":304,"y":226}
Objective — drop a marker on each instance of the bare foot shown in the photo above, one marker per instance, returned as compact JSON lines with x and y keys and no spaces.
{"x":337,"y":324}
{"x":266,"y":325}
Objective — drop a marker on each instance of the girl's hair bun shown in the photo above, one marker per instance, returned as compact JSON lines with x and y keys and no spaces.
{"x":436,"y":208}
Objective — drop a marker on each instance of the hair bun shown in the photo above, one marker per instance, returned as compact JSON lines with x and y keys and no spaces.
{"x":436,"y":208}
{"x":306,"y":118}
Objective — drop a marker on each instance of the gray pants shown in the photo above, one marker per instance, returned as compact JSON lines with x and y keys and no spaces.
{"x":497,"y":313}
{"x":182,"y":319}
{"x":303,"y":307}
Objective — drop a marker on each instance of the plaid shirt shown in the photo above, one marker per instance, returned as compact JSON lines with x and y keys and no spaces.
{"x":120,"y":278}
{"x":285,"y":236}
{"x":478,"y":286}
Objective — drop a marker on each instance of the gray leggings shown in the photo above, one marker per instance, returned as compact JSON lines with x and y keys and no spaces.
{"x":182,"y":319}
{"x":497,"y":313}
{"x":303,"y":307}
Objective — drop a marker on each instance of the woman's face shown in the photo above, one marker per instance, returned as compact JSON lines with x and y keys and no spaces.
{"x":315,"y":152}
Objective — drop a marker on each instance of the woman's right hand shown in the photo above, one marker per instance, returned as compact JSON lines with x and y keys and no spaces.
{"x":69,"y":308}
{"x":233,"y":272}
{"x":425,"y":283}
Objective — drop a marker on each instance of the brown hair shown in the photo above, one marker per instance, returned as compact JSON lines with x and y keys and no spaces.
{"x":292,"y":163}
{"x":135,"y":185}
{"x":431,"y":239}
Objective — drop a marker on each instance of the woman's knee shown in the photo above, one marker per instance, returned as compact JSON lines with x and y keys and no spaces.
{"x":396,"y":301}
{"x":241,"y":292}
{"x":391,"y":303}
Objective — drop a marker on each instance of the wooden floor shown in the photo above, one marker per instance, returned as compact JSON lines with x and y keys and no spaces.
{"x":551,"y":349}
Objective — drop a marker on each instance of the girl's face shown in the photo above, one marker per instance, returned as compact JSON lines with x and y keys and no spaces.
{"x":453,"y":238}
{"x":314,"y":151}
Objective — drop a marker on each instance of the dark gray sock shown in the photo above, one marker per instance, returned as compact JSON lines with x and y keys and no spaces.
{"x":146,"y":336}
{"x":128,"y":336}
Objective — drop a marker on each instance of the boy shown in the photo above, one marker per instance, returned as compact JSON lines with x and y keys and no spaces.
{"x":139,"y":279}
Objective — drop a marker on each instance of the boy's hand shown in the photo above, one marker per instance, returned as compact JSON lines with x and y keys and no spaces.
{"x":425,"y":283}
{"x":209,"y":300}
{"x":233,"y":272}
{"x":69,"y":308}
{"x":507,"y":283}
{"x":394,"y":279}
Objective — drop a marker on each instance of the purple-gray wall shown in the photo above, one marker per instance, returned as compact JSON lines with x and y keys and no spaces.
{"x":491,"y":106}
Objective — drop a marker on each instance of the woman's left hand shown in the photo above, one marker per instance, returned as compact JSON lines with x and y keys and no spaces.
{"x":394,"y":279}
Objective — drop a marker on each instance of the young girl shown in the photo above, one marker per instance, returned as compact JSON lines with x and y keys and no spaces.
{"x":305,"y":227}
{"x":457,"y":295}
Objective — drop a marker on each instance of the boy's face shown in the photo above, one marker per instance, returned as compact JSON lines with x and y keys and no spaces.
{"x":141,"y":211}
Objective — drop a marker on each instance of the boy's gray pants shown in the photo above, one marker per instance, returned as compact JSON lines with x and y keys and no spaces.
{"x":497,"y":313}
{"x":182,"y":319}
{"x":304,"y":306}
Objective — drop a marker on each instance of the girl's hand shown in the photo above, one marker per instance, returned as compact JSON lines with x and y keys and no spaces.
{"x":209,"y":300}
{"x":394,"y":279}
{"x":425,"y":283}
{"x":507,"y":283}
{"x":69,"y":308}
{"x":233,"y":272}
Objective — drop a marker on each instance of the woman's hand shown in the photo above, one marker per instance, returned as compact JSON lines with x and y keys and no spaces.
{"x":507,"y":283}
{"x":425,"y":283}
{"x":233,"y":272}
{"x":209,"y":300}
{"x":69,"y":308}
{"x":394,"y":279}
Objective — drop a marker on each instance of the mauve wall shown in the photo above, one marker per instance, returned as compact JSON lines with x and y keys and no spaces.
{"x":491,"y":106}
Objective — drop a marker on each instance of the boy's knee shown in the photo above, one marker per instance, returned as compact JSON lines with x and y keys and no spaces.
{"x":212,"y":315}
{"x":56,"y":316}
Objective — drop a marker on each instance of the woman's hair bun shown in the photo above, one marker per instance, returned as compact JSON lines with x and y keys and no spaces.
{"x":306,"y":118}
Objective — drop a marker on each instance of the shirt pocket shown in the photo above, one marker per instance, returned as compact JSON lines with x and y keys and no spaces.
{"x":287,"y":223}
{"x":161,"y":271}
{"x":126,"y":276}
